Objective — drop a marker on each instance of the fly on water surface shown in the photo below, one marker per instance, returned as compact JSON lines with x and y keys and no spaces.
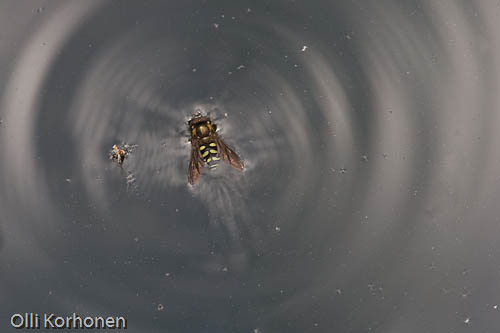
{"x":119,"y":153}
{"x":207,"y":148}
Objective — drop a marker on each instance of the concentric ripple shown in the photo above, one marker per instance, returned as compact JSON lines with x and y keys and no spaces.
{"x":368,"y":133}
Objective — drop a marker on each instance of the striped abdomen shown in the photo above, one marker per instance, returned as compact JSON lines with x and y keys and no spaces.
{"x":210,"y":154}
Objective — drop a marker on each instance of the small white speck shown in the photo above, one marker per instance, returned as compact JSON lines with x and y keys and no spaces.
{"x":225,"y":114}
{"x":194,"y":70}
{"x":295,"y":65}
{"x":225,"y":269}
{"x":136,"y":239}
{"x":216,"y":25}
{"x":364,"y":157}
{"x":277,"y":229}
{"x":160,"y":307}
{"x":348,"y":36}
{"x":68,"y":180}
{"x":167,"y":274}
{"x":177,"y":210}
{"x":304,"y":48}
{"x":495,"y":307}
{"x":240,"y":67}
{"x":467,"y":321}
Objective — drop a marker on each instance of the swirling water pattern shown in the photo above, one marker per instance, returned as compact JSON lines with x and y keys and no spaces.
{"x":368,"y":130}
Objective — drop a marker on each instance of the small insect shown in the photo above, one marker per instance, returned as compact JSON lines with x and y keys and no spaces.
{"x":208,"y":148}
{"x":118,"y":154}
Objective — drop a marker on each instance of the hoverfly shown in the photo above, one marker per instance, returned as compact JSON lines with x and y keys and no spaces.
{"x":119,"y":154}
{"x":208,"y":148}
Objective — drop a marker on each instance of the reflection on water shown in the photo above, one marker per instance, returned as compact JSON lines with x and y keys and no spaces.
{"x":368,"y":133}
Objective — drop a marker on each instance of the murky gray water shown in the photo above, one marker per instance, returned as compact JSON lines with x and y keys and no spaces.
{"x":368,"y":129}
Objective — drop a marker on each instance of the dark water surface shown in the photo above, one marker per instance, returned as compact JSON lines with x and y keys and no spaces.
{"x":369,"y":130}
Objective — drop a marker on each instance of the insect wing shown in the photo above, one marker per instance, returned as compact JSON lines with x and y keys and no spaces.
{"x":195,"y":164}
{"x":228,"y":154}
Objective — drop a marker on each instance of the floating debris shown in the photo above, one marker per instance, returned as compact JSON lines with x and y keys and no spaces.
{"x":304,"y":48}
{"x":160,"y":307}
